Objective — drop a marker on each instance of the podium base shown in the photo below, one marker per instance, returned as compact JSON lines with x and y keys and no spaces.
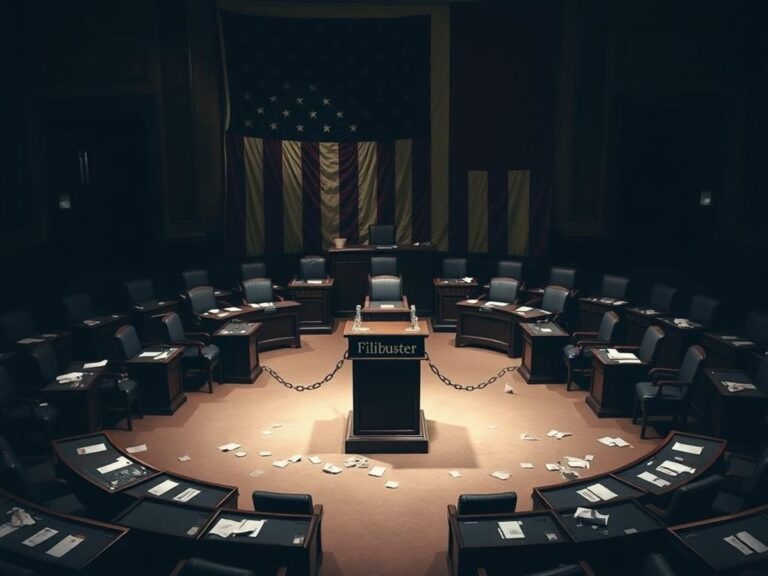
{"x":387,"y":443}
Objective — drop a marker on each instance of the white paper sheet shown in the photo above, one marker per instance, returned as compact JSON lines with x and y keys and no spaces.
{"x":602,"y":492}
{"x":99,"y":364}
{"x":511,"y":529}
{"x":186,"y":495}
{"x":136,"y":449}
{"x":377,"y":471}
{"x":163,"y":487}
{"x":65,"y":545}
{"x":92,"y":449}
{"x":39,"y":537}
{"x":121,"y":462}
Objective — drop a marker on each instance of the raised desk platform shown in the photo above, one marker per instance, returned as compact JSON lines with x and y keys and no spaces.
{"x":636,"y":321}
{"x":93,"y":336}
{"x":612,"y":388}
{"x":726,"y":350}
{"x":315,"y":297}
{"x":279,"y":322}
{"x":543,"y":344}
{"x":732,"y":415}
{"x":591,"y":310}
{"x":79,"y":401}
{"x":239,"y":351}
{"x":448,"y":292}
{"x":680,"y":334}
{"x":157,"y":370}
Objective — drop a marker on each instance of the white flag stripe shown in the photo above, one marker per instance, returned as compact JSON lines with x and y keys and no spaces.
{"x":329,"y":191}
{"x":253,"y":157}
{"x":293,"y":237}
{"x":404,"y":191}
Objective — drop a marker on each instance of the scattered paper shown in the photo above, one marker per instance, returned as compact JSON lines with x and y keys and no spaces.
{"x":524,"y":308}
{"x":225,"y":528}
{"x":331,"y":469}
{"x":256,"y":473}
{"x":508,"y":388}
{"x":64,"y":545}
{"x":511,"y":529}
{"x":614,"y":354}
{"x":496,"y":303}
{"x":30,"y":341}
{"x":551,"y":433}
{"x":69,"y":377}
{"x":500,"y":474}
{"x":589,"y":457}
{"x":472,"y":301}
{"x":6,"y":529}
{"x":552,"y":467}
{"x":265,"y":453}
{"x":100,"y":364}
{"x":186,"y":495}
{"x":229,"y":447}
{"x":591,"y":516}
{"x":295,"y":458}
{"x":39,"y":537}
{"x":454,"y":474}
{"x":608,"y":441}
{"x":561,"y":435}
{"x":391,"y":484}
{"x":377,"y":471}
{"x":163,"y":487}
{"x":266,"y":432}
{"x":277,"y":425}
{"x":739,"y":545}
{"x":574,"y":462}
{"x":653,"y":479}
{"x":136,"y":449}
{"x":232,"y":309}
{"x":92,"y":449}
{"x":280,"y":463}
{"x":241,"y":454}
{"x":738,"y":386}
{"x":314,"y":459}
{"x":526,"y":465}
{"x":185,"y":458}
{"x":525,"y":436}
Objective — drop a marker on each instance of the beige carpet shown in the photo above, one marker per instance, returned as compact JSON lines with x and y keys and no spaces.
{"x":369,"y":529}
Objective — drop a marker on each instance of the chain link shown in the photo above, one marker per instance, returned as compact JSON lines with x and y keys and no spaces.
{"x":447,"y":381}
{"x":301,"y":387}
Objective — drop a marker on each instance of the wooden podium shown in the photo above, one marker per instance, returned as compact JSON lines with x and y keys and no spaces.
{"x":386,"y":414}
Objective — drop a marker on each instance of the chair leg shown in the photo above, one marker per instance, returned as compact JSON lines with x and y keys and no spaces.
{"x":645,"y":423}
{"x":210,"y":380}
{"x":128,"y":412}
{"x":569,"y":377}
{"x":635,"y":410}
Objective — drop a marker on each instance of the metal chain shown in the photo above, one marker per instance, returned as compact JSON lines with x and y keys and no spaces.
{"x":471,"y":387}
{"x":301,"y":387}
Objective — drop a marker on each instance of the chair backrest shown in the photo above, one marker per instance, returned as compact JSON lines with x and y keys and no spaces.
{"x":258,"y":290}
{"x":501,"y":503}
{"x":555,"y":299}
{"x":139,"y":291}
{"x":13,"y":476}
{"x":614,"y":287}
{"x":454,"y":268}
{"x":386,"y":288}
{"x":510,"y":269}
{"x":195,"y":278}
{"x":381,"y":234}
{"x":201,"y":567}
{"x":282,"y":503}
{"x":44,"y":359}
{"x":503,"y":289}
{"x":703,"y":309}
{"x":756,"y":491}
{"x":174,"y":329}
{"x":609,"y":327}
{"x":693,"y":501}
{"x":312,"y":268}
{"x":383,"y":265}
{"x":655,"y":564}
{"x":16,"y":325}
{"x":565,"y":277}
{"x":692,"y":361}
{"x":79,"y":307}
{"x":756,"y":328}
{"x":250,"y":270}
{"x":651,"y":344}
{"x":662,"y":297}
{"x":201,"y":299}
{"x":127,"y":341}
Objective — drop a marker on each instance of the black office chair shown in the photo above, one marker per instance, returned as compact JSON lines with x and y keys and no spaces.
{"x":650,"y":345}
{"x":139,"y":291}
{"x":555,"y":301}
{"x":250,"y":270}
{"x":282,"y":503}
{"x":655,"y":564}
{"x":127,"y":343}
{"x":258,"y":290}
{"x":24,"y":414}
{"x":16,"y":325}
{"x":614,"y":287}
{"x":503,"y":290}
{"x":194,"y":278}
{"x":565,"y":277}
{"x":199,"y":354}
{"x":501,"y":503}
{"x":578,"y":354}
{"x":312,"y":268}
{"x":690,"y":502}
{"x":383,"y":265}
{"x":454,"y":268}
{"x":201,"y":567}
{"x":381,"y":235}
{"x":746,"y":483}
{"x":201,"y":299}
{"x":386,"y":290}
{"x":670,"y":391}
{"x":8,"y":569}
{"x":703,"y":310}
{"x":78,"y":307}
{"x":662,"y":298}
{"x":510,"y":269}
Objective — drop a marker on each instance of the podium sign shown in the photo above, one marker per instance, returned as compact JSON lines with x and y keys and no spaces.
{"x":386,"y":389}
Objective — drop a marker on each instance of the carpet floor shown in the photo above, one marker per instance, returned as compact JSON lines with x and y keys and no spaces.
{"x":369,"y":529}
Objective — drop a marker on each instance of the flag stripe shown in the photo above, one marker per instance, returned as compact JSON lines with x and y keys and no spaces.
{"x":348,"y":191}
{"x":404,"y":191}
{"x":366,"y":165}
{"x":518,"y":187}
{"x":310,"y":185}
{"x":237,"y":201}
{"x":329,"y":191}
{"x":385,"y":182}
{"x":422,"y":228}
{"x":273,"y":196}
{"x":440,"y":89}
{"x":292,"y":197}
{"x":497,"y":212}
{"x":253,"y":150}
{"x":477,"y":210}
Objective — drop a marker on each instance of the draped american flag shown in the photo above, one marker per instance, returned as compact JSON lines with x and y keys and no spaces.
{"x":328,"y":129}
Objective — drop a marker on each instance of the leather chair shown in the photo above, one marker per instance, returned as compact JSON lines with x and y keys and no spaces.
{"x":383,"y":265}
{"x":503,"y":290}
{"x":199,"y":354}
{"x":703,"y":310}
{"x":381,"y":235}
{"x":258,"y":290}
{"x":128,"y":344}
{"x":386,"y":289}
{"x":250,"y":270}
{"x":312,"y":268}
{"x":16,"y":325}
{"x":454,"y":268}
{"x":501,"y":503}
{"x":578,"y":355}
{"x":201,"y":567}
{"x":555,"y":300}
{"x":201,"y":299}
{"x":565,"y":277}
{"x":690,"y":502}
{"x":139,"y":291}
{"x":45,"y":368}
{"x":510,"y":269}
{"x":614,"y":287}
{"x":24,"y":414}
{"x":194,"y":278}
{"x":662,"y":298}
{"x":282,"y":503}
{"x":746,"y":483}
{"x":78,"y":307}
{"x":654,"y":564}
{"x":650,"y":345}
{"x":669,"y":392}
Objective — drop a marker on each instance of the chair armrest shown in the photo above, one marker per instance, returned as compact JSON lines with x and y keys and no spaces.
{"x":197,"y":343}
{"x":578,"y":335}
{"x":405,"y":301}
{"x":592,"y":343}
{"x":625,"y":348}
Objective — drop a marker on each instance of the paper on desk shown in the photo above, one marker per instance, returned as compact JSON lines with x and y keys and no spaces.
{"x":331,"y":469}
{"x":225,"y":528}
{"x":587,"y":494}
{"x":545,"y":330}
{"x":92,"y":449}
{"x":551,"y":433}
{"x":315,"y":459}
{"x":653,"y":479}
{"x":149,"y":354}
{"x":136,"y":449}
{"x":229,"y":447}
{"x":602,"y":492}
{"x":30,"y":341}
{"x":266,"y":432}
{"x":676,"y":467}
{"x":241,"y":453}
{"x":576,"y":462}
{"x":742,"y":343}
{"x":277,"y":425}
{"x":214,"y":310}
{"x":752,"y":542}
{"x":508,"y":388}
{"x":496,"y":303}
{"x":524,"y":309}
{"x":608,"y":441}
{"x":232,"y":309}
{"x":99,"y":364}
{"x":738,"y":386}
{"x":591,"y":516}
{"x":120,"y":462}
{"x":589,"y":458}
{"x":6,"y":529}
{"x":163,"y":487}
{"x":377,"y":471}
{"x":163,"y":355}
{"x":739,"y":545}
{"x":561,"y":435}
{"x":69,"y":377}
{"x":186,"y":495}
{"x":386,"y":306}
{"x":391,"y":484}
{"x":552,"y":467}
{"x":511,"y":529}
{"x":40,"y":536}
{"x":472,"y":301}
{"x":614,"y":354}
{"x":256,"y":473}
{"x":500,"y":474}
{"x":314,"y":281}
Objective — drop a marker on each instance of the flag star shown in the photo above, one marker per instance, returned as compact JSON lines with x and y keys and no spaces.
{"x":273,"y":126}
{"x":286,"y":113}
{"x":312,"y":87}
{"x":353,"y":127}
{"x":248,"y":123}
{"x":326,"y":128}
{"x":299,"y":100}
{"x":260,"y":110}
{"x":326,"y":101}
{"x":312,"y":114}
{"x":286,"y":85}
{"x":247,"y":96}
{"x":339,"y":114}
{"x":299,"y":128}
{"x":272,"y":98}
